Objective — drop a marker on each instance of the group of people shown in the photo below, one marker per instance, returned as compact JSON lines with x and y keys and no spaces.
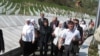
{"x":64,"y":38}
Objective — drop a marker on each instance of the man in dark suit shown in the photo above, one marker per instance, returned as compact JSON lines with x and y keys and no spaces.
{"x":41,"y":20}
{"x":53,"y":25}
{"x":77,"y":43}
{"x":2,"y":49}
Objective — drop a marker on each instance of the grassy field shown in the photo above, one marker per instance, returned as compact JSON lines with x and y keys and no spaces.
{"x":88,"y":6}
{"x":37,"y":5}
{"x":31,"y":2}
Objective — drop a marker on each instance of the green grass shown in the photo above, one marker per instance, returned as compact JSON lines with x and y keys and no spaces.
{"x":41,"y":3}
{"x":7,"y":5}
{"x":3,"y":3}
{"x":17,"y":7}
{"x":87,"y":6}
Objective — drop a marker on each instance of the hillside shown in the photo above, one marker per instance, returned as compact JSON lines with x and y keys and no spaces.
{"x":87,"y":6}
{"x":57,"y":7}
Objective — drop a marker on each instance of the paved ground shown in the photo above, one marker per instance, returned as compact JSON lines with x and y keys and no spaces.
{"x":84,"y":48}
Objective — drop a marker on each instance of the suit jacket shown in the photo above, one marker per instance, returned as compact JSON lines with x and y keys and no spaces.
{"x":65,"y":25}
{"x":56,"y":24}
{"x":45,"y":33}
{"x":40,"y":22}
{"x":80,"y":30}
{"x":1,"y":41}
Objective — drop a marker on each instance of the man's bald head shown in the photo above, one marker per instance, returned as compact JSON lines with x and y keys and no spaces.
{"x":42,"y":15}
{"x":54,"y":19}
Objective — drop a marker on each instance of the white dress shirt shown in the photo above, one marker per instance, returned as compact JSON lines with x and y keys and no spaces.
{"x":57,"y":33}
{"x":84,"y":27}
{"x":68,"y":35}
{"x":28,"y":33}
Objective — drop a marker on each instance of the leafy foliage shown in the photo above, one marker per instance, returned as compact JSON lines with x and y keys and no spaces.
{"x":93,"y":50}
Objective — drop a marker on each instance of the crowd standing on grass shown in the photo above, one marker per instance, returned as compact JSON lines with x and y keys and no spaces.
{"x":64,"y":38}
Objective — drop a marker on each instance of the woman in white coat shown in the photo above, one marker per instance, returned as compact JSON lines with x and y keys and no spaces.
{"x":57,"y":33}
{"x":28,"y":38}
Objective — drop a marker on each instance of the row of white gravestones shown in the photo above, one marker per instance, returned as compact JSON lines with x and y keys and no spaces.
{"x":46,"y":9}
{"x":36,"y":13}
{"x":2,"y":8}
{"x":17,"y":11}
{"x":24,"y":11}
{"x":0,"y":3}
{"x":51,"y":11}
{"x":6,"y":7}
{"x":11,"y":10}
{"x":11,"y":4}
{"x":30,"y":11}
{"x":39,"y":10}
{"x":54,"y":10}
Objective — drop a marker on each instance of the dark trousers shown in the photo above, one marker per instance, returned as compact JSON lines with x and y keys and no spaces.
{"x":43,"y":47}
{"x":56,"y":51}
{"x":61,"y":51}
{"x":67,"y":51}
{"x":52,"y":47}
{"x":75,"y":47}
{"x":27,"y":48}
{"x":35,"y":47}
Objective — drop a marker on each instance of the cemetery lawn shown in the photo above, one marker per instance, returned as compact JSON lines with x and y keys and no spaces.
{"x":32,"y":2}
{"x":87,"y":7}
